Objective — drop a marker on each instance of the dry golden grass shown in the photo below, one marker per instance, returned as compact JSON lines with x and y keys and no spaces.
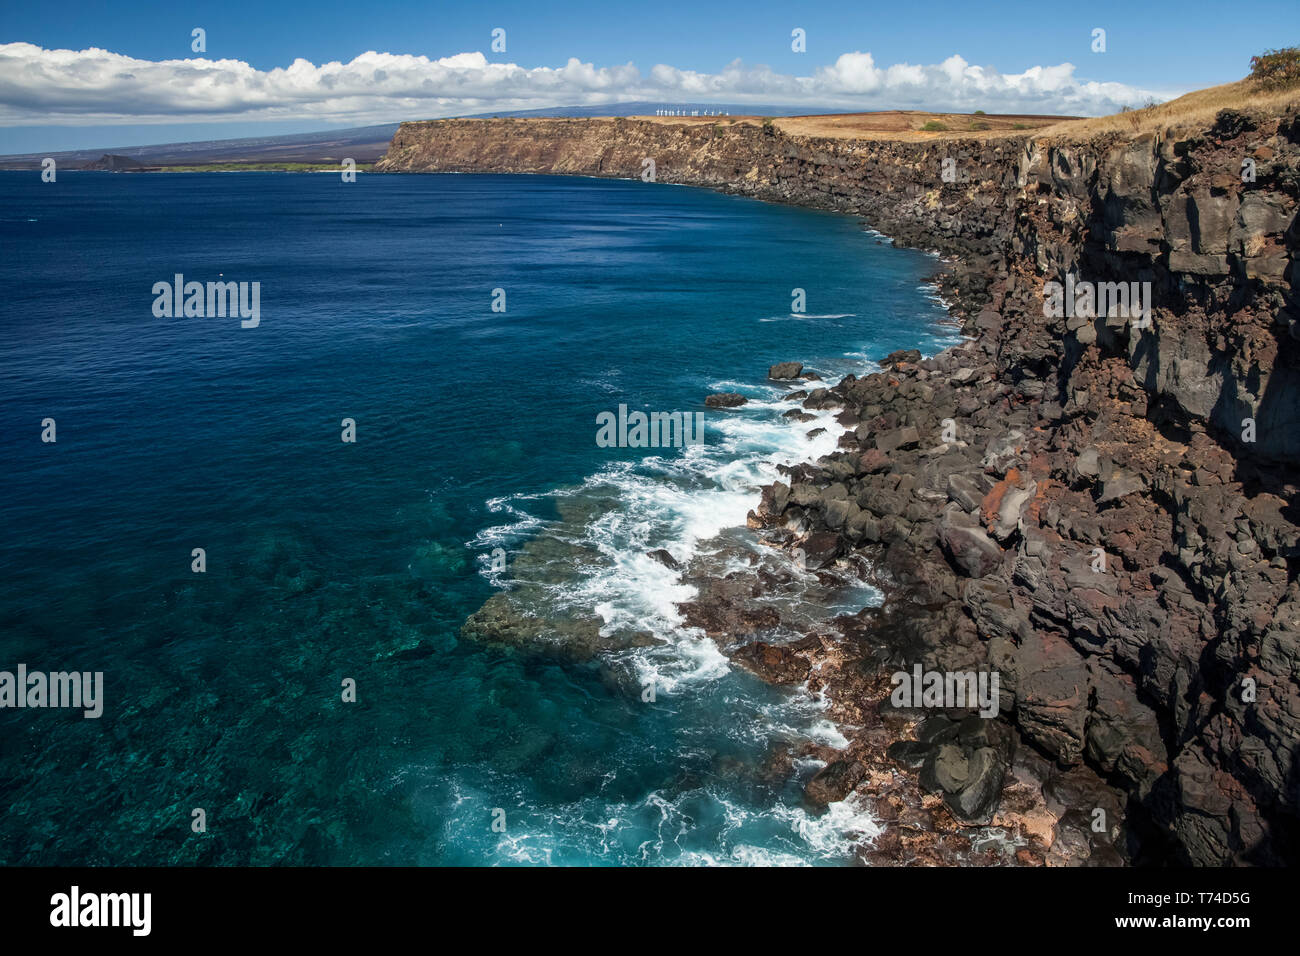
{"x":909,"y":124}
{"x":1196,"y":109}
{"x":885,"y":124}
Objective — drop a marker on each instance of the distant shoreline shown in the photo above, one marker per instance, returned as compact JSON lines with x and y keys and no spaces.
{"x":236,"y":168}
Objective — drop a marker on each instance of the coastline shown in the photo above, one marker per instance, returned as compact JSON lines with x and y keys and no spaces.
{"x":1079,"y":438}
{"x":1016,"y":809}
{"x":865,"y":776}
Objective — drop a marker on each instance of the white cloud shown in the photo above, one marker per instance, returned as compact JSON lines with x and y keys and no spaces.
{"x":67,"y":87}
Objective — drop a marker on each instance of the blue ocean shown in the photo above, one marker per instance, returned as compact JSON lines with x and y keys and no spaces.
{"x":472,"y":328}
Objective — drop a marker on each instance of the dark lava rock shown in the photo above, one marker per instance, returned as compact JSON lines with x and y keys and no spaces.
{"x":910,"y":356}
{"x":965,"y":491}
{"x":821,"y":549}
{"x":725,"y":400}
{"x":981,"y":788}
{"x":952,"y":768}
{"x":873,"y":461}
{"x":937,"y":730}
{"x":774,"y":663}
{"x":969,"y":781}
{"x":1229,"y":124}
{"x":664,"y":558}
{"x":785,"y":370}
{"x":834,"y":782}
{"x":910,"y":753}
{"x":973,"y":731}
{"x":971,"y":549}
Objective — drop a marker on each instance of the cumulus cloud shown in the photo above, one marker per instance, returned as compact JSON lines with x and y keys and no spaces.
{"x":94,"y":86}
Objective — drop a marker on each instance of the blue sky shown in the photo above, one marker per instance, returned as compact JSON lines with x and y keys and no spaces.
{"x":1158,"y":48}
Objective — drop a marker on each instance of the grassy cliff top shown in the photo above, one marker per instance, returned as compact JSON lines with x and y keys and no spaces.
{"x":1196,"y":109}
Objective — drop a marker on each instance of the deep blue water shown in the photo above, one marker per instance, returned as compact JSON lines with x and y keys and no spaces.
{"x":326,"y":560}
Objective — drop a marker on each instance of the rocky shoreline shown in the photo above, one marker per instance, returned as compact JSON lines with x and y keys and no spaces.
{"x":1102,"y":512}
{"x":922,"y":523}
{"x":1126,"y":571}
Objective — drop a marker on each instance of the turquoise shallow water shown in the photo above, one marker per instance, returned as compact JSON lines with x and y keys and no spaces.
{"x":475,"y":430}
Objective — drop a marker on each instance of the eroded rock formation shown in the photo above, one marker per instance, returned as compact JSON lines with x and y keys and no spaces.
{"x":1104,"y":513}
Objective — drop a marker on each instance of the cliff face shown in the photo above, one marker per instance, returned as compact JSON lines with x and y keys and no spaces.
{"x":1102,"y":509}
{"x":892,"y":183}
{"x":1170,"y":210}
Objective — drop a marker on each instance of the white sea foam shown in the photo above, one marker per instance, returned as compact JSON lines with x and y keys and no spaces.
{"x":680,"y":502}
{"x":845,"y":825}
{"x":825,"y":731}
{"x":676,"y":502}
{"x":509,"y":532}
{"x":800,"y":316}
{"x":660,"y":830}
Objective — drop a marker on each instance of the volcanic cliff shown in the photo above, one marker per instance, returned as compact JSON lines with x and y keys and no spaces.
{"x":1103,"y":511}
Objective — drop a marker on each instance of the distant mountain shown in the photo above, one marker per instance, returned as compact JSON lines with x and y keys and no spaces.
{"x":649,"y":108}
{"x":365,"y":144}
{"x":113,"y":163}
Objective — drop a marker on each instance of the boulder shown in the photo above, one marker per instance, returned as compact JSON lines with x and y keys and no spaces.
{"x":664,"y":558}
{"x":951,"y":768}
{"x":1120,"y":483}
{"x":908,"y":356}
{"x":834,"y":782}
{"x":970,"y":549}
{"x":785,"y":370}
{"x":1052,"y":690}
{"x":964,"y":491}
{"x":725,"y":400}
{"x":981,"y":791}
{"x":839,"y":511}
{"x":873,"y":461}
{"x":910,"y":753}
{"x":821,"y":549}
{"x":774,"y":663}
